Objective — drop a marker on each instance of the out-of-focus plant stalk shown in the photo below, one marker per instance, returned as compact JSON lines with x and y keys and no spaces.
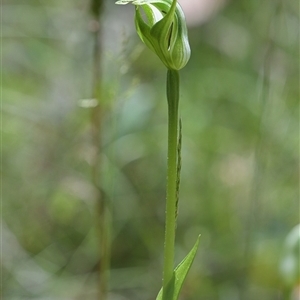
{"x":254,"y":215}
{"x":102,"y":209}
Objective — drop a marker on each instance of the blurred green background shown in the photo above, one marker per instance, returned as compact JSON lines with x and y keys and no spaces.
{"x":240,"y":154}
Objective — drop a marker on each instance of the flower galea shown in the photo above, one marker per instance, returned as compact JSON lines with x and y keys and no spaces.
{"x":161,"y":26}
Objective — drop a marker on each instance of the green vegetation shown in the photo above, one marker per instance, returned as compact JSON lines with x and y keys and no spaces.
{"x":239,"y":102}
{"x":164,"y":32}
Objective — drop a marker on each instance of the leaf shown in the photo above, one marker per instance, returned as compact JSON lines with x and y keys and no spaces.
{"x":179,"y":275}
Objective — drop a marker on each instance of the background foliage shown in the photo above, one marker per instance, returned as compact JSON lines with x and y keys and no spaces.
{"x":239,"y":185}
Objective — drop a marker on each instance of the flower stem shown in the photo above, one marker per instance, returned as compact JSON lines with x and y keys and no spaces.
{"x":170,"y":223}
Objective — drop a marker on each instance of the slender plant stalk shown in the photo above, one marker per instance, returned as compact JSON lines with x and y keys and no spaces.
{"x":170,"y":226}
{"x":254,"y":214}
{"x":102,"y":209}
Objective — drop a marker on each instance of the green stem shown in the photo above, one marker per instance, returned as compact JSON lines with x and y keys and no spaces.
{"x":102,"y":207}
{"x":170,"y":225}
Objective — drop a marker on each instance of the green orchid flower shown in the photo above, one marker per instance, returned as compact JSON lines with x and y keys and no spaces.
{"x":161,"y":26}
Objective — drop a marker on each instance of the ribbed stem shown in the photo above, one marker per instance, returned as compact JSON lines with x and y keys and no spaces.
{"x":170,"y":225}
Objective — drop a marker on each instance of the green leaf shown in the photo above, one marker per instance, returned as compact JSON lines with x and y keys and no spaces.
{"x":179,"y":275}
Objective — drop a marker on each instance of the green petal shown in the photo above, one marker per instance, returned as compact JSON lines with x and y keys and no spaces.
{"x":143,"y":29}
